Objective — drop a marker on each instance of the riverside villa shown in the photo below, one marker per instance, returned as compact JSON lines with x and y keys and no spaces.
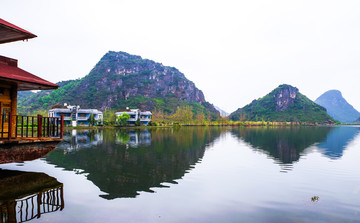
{"x":75,"y":116}
{"x":136,"y":114}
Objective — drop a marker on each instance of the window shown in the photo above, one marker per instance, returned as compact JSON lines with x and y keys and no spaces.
{"x":5,"y":113}
{"x":82,"y":115}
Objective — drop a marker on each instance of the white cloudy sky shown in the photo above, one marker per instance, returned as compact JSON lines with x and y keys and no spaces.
{"x":234,"y":51}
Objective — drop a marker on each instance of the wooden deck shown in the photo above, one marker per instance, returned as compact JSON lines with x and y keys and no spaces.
{"x":27,"y":140}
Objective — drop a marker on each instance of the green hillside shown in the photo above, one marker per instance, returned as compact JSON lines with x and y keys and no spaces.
{"x":285,"y":103}
{"x":122,"y":80}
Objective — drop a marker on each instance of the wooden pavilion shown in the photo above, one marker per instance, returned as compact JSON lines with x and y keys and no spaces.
{"x":15,"y":128}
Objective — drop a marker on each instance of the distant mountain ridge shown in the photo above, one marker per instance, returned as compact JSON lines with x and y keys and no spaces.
{"x":337,"y":107}
{"x":122,"y":80}
{"x":285,"y":103}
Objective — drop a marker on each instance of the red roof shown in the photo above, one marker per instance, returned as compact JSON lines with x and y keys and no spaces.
{"x":9,"y":32}
{"x":25,"y":81}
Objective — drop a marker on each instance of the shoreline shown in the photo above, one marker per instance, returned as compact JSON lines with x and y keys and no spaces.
{"x":211,"y":125}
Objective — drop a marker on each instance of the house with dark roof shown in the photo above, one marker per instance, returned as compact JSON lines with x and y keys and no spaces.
{"x":144,"y":117}
{"x":75,"y":116}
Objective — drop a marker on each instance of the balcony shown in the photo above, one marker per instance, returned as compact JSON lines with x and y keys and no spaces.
{"x":18,"y":128}
{"x":82,"y":118}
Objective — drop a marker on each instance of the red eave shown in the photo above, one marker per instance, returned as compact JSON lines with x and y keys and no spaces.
{"x":9,"y":32}
{"x":9,"y":72}
{"x":24,"y":78}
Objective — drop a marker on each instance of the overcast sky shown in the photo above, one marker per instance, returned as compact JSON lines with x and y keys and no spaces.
{"x":234,"y":51}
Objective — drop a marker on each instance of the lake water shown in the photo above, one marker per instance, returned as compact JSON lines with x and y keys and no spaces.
{"x":191,"y":174}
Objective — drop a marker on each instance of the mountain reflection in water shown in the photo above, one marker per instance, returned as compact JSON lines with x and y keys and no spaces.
{"x":223,"y":174}
{"x":129,"y":161}
{"x":283,"y":144}
{"x":28,"y":195}
{"x":287,"y":144}
{"x":337,"y":140}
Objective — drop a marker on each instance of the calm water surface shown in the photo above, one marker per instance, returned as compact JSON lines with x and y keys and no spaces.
{"x":208,"y":174}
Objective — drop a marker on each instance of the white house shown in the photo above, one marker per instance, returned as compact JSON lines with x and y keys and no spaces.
{"x":135,"y":114}
{"x":74,"y":116}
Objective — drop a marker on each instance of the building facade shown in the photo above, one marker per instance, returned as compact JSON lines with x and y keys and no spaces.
{"x":14,"y":79}
{"x":136,"y":114}
{"x":75,"y":116}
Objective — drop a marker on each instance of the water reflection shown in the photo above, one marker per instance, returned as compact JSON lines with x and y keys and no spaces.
{"x":127,"y":162}
{"x":235,"y":182}
{"x":283,"y":144}
{"x":337,"y":141}
{"x":133,"y":138}
{"x":25,"y":152}
{"x":28,"y":195}
{"x":77,"y":139}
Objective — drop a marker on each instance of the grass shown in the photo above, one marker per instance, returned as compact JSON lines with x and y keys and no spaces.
{"x":212,"y":123}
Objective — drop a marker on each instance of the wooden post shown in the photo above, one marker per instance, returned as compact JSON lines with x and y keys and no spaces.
{"x":48,"y":127}
{"x":27,"y":126}
{"x":11,"y":211}
{"x":2,"y":124}
{"x":62,"y":127}
{"x":39,"y":202}
{"x":39,"y":125}
{"x":16,"y":125}
{"x":62,"y":197}
{"x":10,"y":126}
{"x":53,"y":127}
{"x":22,"y":126}
{"x":56,"y":129}
{"x":32,"y":126}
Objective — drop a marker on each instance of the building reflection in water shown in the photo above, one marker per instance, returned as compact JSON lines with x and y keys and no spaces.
{"x":77,"y":139}
{"x":134,"y":138}
{"x":28,"y":195}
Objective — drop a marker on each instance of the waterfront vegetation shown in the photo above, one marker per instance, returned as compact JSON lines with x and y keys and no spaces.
{"x":189,"y":116}
{"x":186,"y":116}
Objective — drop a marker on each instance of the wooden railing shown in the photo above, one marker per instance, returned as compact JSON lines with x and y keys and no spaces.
{"x":33,"y":206}
{"x":18,"y":126}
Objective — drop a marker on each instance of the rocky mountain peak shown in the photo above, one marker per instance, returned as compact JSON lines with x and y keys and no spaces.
{"x":285,"y":96}
{"x":337,"y":107}
{"x":122,"y":80}
{"x":122,"y":63}
{"x":284,"y":103}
